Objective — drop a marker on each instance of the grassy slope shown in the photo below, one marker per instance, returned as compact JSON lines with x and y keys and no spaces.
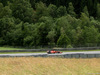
{"x":48,"y":66}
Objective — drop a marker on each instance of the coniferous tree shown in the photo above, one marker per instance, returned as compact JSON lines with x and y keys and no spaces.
{"x":85,"y":10}
{"x":98,"y":12}
{"x":63,"y":39}
{"x":71,"y":10}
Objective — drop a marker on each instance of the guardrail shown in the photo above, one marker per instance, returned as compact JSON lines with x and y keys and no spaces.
{"x":75,"y":55}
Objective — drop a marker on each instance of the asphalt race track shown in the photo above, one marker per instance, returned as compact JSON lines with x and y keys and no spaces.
{"x":85,"y":54}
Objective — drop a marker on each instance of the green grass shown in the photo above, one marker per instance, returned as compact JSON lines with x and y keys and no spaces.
{"x":19,"y":52}
{"x":10,"y":48}
{"x":80,"y":50}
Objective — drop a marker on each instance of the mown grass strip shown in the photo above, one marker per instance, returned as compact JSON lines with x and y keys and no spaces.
{"x":10,"y":48}
{"x":44,"y":52}
{"x":19,"y":52}
{"x":80,"y":50}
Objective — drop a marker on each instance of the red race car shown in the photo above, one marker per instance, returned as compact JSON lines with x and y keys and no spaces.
{"x":53,"y":51}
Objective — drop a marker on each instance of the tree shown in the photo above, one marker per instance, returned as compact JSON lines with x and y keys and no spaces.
{"x":42,"y":29}
{"x":77,"y":36}
{"x":5,"y":11}
{"x":85,"y":20}
{"x":29,"y":34}
{"x":6,"y":25}
{"x":1,"y":7}
{"x":61,"y":22}
{"x":71,"y":10}
{"x":98,"y":11}
{"x":52,"y":10}
{"x":51,"y":36}
{"x":99,"y":38}
{"x":61,"y":11}
{"x":74,"y":22}
{"x":22,"y":9}
{"x":95,"y":23}
{"x":63,"y":40}
{"x":90,"y":5}
{"x":85,"y":10}
{"x":90,"y":35}
{"x":28,"y":41}
{"x":41,"y":10}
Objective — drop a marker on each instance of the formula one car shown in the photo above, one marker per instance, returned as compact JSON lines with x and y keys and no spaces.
{"x":53,"y":51}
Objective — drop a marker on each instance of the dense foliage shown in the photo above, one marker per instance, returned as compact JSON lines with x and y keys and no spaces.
{"x":49,"y":22}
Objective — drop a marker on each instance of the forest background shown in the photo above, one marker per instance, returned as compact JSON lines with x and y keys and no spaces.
{"x":49,"y":22}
